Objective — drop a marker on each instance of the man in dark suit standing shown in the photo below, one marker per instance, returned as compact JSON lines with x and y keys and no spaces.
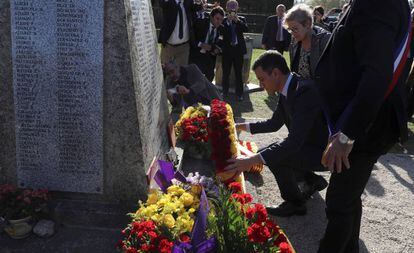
{"x":365,"y":111}
{"x":208,"y":33}
{"x":176,"y":30}
{"x":294,"y":159}
{"x":275,"y":36}
{"x":234,"y":47}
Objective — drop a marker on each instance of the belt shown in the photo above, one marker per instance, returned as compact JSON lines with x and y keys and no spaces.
{"x":177,"y":45}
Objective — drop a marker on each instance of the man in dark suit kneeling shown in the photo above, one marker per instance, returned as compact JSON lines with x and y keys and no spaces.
{"x":294,"y":159}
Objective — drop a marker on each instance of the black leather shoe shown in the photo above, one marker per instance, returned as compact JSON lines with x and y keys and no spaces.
{"x":287,"y":209}
{"x":318,"y":183}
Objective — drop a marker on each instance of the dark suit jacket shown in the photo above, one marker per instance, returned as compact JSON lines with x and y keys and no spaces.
{"x":201,"y":90}
{"x":201,"y":28}
{"x":241,"y":27}
{"x":300,"y":111}
{"x":269,"y":33}
{"x":356,"y":68}
{"x":169,"y":18}
{"x":320,"y":38}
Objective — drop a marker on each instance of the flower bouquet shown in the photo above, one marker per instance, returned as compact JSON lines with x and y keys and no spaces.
{"x":222,"y":134}
{"x":191,"y":129}
{"x":19,"y":207}
{"x":200,"y":215}
{"x":241,"y":226}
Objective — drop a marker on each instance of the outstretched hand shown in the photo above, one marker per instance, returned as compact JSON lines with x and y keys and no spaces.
{"x":242,"y":163}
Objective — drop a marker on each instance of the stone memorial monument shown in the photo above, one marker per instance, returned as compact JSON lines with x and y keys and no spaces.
{"x":82,"y":106}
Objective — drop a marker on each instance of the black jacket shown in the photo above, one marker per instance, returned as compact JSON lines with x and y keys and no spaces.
{"x":269,"y":33}
{"x":356,"y":68}
{"x":241,"y":27}
{"x":169,"y":18}
{"x":300,"y":111}
{"x":201,"y":28}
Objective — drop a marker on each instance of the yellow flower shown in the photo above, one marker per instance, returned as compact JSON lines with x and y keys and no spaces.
{"x":152,"y":198}
{"x":165,"y":198}
{"x":175,"y":190}
{"x":233,"y":149}
{"x":196,"y":189}
{"x":232,"y":138}
{"x":156,"y":218}
{"x":170,"y":208}
{"x":187,"y":199}
{"x":169,"y":220}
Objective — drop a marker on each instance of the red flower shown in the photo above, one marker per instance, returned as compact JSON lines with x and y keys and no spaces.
{"x":165,"y":246}
{"x":258,"y":233}
{"x":261,"y":212}
{"x":251,"y":211}
{"x":235,"y":187}
{"x":284,"y":247}
{"x":131,"y":250}
{"x":247,"y":198}
{"x":281,"y":238}
{"x":184,"y":238}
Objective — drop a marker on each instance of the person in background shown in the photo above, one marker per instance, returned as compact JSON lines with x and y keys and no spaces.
{"x":206,"y":46}
{"x":275,"y":35}
{"x":186,"y":86}
{"x":299,"y":109}
{"x":318,"y":14}
{"x":363,"y":99}
{"x":234,"y":47}
{"x":309,"y":41}
{"x":176,"y":29}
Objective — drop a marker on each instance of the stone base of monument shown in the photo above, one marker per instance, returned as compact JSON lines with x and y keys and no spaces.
{"x":87,"y":214}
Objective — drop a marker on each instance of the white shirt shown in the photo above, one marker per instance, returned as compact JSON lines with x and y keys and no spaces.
{"x":208,"y":33}
{"x":279,"y":35}
{"x":174,"y":38}
{"x":286,"y":86}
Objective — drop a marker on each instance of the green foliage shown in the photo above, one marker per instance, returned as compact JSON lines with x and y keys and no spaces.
{"x":229,"y":224}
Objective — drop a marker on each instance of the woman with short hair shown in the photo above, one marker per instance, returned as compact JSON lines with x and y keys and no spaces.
{"x":308,"y":41}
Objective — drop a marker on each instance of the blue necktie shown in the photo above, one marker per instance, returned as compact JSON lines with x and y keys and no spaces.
{"x":233,"y":34}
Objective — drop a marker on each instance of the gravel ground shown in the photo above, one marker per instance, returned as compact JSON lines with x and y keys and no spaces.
{"x":388,"y":204}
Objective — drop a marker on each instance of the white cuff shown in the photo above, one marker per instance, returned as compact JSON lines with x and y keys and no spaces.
{"x":248,"y":128}
{"x":199,"y":44}
{"x":263,"y":160}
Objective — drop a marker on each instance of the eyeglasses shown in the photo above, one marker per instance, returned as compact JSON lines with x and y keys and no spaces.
{"x":293,"y":30}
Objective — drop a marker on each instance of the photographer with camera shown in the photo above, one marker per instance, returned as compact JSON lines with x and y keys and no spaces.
{"x":234,"y":47}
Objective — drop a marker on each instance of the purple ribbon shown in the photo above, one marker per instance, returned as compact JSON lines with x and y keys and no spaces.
{"x":208,"y":246}
{"x":199,"y":241}
{"x":166,"y":173}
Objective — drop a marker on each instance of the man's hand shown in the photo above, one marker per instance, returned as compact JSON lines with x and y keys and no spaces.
{"x":243,"y":163}
{"x":182,"y":90}
{"x":263,"y":46}
{"x":206,"y":46}
{"x":336,"y":154}
{"x":241,"y":127}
